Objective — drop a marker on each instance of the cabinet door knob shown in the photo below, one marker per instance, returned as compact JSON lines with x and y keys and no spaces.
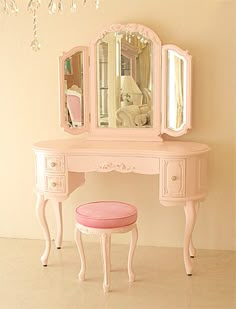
{"x":173,"y":178}
{"x":53,"y":164}
{"x":54,"y":184}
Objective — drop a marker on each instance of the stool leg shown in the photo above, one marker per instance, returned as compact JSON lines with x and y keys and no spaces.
{"x":78,"y":240}
{"x":105,"y":242}
{"x":109,"y":252}
{"x":133,"y":243}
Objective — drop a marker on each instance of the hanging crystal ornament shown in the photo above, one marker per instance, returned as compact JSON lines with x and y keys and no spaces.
{"x":9,"y":6}
{"x":73,"y":6}
{"x":97,"y":4}
{"x":60,"y":6}
{"x":52,"y":7}
{"x":13,"y":7}
{"x":33,"y":7}
{"x":6,"y":7}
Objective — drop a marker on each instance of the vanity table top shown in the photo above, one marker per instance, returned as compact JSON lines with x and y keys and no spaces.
{"x":84,"y":146}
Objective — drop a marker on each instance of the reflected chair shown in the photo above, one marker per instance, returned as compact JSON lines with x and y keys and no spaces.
{"x":74,"y":105}
{"x":133,"y":116}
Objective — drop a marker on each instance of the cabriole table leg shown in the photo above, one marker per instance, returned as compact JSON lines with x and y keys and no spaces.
{"x":40,"y":213}
{"x":192,"y":249}
{"x":190,"y":215}
{"x":58,"y":214}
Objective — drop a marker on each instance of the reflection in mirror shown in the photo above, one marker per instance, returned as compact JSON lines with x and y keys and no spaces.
{"x":124,"y":81}
{"x":73,"y":89}
{"x":176,"y":90}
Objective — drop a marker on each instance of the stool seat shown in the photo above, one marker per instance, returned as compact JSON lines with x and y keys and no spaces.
{"x":104,"y":218}
{"x":106,"y":214}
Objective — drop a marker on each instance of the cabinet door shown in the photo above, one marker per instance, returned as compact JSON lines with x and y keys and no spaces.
{"x":51,"y":176}
{"x":172,"y":178}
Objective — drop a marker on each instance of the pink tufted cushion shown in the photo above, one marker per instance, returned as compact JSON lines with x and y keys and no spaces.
{"x":106,"y":214}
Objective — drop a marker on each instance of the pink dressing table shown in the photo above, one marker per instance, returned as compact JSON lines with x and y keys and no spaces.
{"x":109,"y":146}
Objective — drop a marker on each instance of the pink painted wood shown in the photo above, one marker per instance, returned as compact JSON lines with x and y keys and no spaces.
{"x":159,"y":89}
{"x":105,"y":218}
{"x":182,"y":166}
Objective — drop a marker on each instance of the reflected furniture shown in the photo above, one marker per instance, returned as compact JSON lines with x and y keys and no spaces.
{"x":74,"y":105}
{"x":133,"y":116}
{"x":104,"y":218}
{"x":105,"y":142}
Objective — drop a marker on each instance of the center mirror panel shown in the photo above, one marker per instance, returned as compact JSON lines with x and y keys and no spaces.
{"x":124,"y":80}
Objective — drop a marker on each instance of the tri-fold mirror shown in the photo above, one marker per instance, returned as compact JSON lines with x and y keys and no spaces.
{"x":126,"y":85}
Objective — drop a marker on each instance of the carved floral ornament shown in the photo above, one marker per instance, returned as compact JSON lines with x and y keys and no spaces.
{"x":120,"y":167}
{"x":130,"y":29}
{"x":54,"y":6}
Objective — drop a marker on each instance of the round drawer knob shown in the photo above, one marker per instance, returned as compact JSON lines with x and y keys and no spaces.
{"x":54,"y":184}
{"x":53,"y":164}
{"x":173,"y":178}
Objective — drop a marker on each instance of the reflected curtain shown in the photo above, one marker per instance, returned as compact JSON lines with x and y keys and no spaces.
{"x":179,"y":91}
{"x":143,"y":68}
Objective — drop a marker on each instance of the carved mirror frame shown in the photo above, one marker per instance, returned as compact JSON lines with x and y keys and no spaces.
{"x":159,"y":57}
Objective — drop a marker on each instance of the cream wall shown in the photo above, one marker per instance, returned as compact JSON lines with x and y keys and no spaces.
{"x":29,"y":112}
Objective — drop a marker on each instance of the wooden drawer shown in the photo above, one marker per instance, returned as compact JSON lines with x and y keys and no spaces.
{"x":109,"y":163}
{"x":173,"y":178}
{"x":55,"y":164}
{"x":55,"y":183}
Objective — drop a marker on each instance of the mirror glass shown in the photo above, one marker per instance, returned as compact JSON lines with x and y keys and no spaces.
{"x":124,"y":81}
{"x":74,"y":90}
{"x":176,"y":90}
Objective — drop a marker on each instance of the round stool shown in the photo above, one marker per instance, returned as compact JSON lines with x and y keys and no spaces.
{"x":104,"y":218}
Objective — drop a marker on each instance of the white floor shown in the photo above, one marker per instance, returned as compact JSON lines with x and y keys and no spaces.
{"x":160,"y":278}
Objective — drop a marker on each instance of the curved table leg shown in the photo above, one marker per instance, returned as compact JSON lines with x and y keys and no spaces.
{"x":190,"y":215}
{"x":192,"y":249}
{"x":58,"y":214}
{"x":40,"y":213}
